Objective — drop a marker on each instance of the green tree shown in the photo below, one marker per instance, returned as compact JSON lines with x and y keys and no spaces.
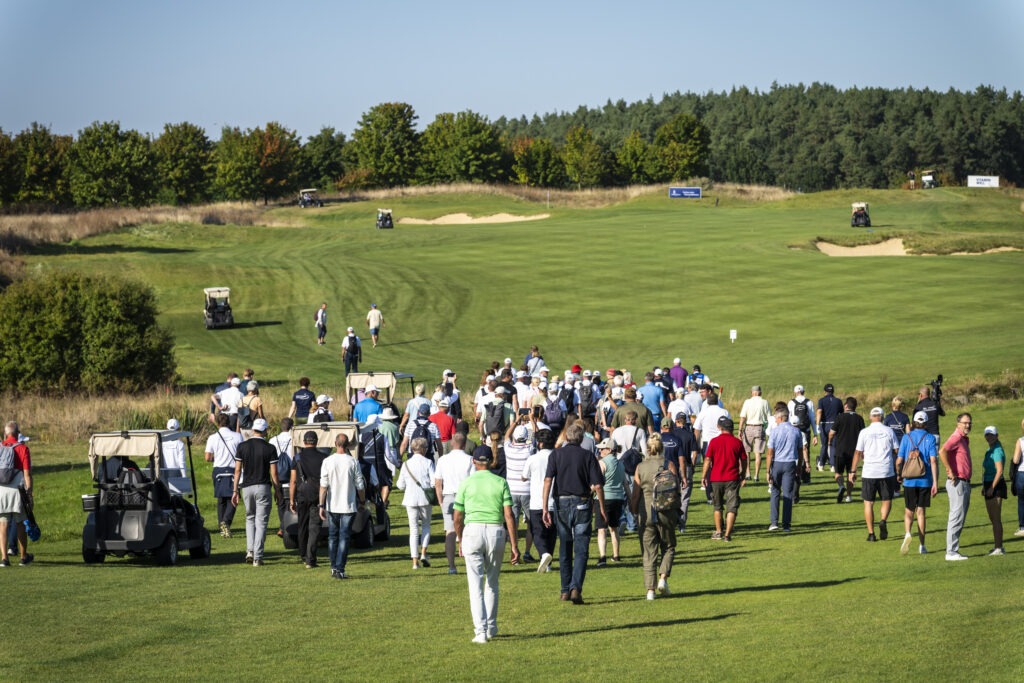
{"x":237,"y":176}
{"x":322,"y":162}
{"x":635,"y":161}
{"x":67,"y":331}
{"x":681,"y":146}
{"x":386,"y":144}
{"x":537,"y":163}
{"x":42,"y":159}
{"x":461,"y":147}
{"x":110,"y":166}
{"x":278,"y":153}
{"x":10,"y":179}
{"x":585,"y":161}
{"x":184,"y":158}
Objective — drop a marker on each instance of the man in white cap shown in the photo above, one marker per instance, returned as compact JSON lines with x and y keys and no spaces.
{"x":173,"y":453}
{"x":876,"y":446}
{"x":917,"y":491}
{"x":351,"y":351}
{"x":518,"y":448}
{"x":254,"y":481}
{"x":678,"y":374}
{"x":323,"y":411}
{"x":227,"y":400}
{"x":803,"y":408}
{"x":368,"y":406}
{"x":375,"y":321}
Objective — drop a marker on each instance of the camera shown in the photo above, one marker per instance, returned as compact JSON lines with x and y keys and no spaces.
{"x":937,"y":388}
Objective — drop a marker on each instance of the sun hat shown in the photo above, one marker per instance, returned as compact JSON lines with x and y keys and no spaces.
{"x":388,"y":414}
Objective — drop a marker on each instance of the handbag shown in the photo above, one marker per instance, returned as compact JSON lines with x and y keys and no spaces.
{"x":429,"y":492}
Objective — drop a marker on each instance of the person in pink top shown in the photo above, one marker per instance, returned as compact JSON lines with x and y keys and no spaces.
{"x":956,"y":458}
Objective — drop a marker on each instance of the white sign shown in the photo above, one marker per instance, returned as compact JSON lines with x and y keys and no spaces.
{"x":982,"y":181}
{"x":732,"y":336}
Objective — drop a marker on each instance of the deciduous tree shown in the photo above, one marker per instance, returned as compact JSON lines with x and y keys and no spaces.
{"x":110,"y":166}
{"x":461,"y":147}
{"x":386,"y":144}
{"x":184,"y":157}
{"x":237,"y":176}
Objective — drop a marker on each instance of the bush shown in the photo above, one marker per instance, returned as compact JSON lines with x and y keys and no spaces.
{"x":68,"y":331}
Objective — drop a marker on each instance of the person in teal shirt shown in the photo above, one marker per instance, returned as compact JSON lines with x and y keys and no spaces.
{"x":483,"y":523}
{"x":614,"y":501}
{"x":994,"y":486}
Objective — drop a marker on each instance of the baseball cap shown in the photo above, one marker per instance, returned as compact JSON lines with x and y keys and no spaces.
{"x":235,"y":381}
{"x":829,"y":388}
{"x":443,"y":403}
{"x":577,"y":369}
{"x":610,"y":372}
{"x":447,"y":371}
{"x":173,"y":424}
{"x":351,"y":329}
{"x":921,"y":416}
{"x":369,"y":388}
{"x":259,"y":425}
{"x":756,"y":387}
{"x":520,"y":374}
{"x":424,"y":410}
{"x":482,"y":454}
{"x":491,"y":378}
{"x":553,"y":390}
{"x":798,"y":389}
{"x":657,"y":371}
{"x":877,"y":411}
{"x":508,"y":361}
{"x":725,"y":422}
{"x":606,"y":443}
{"x":499,"y":390}
{"x":373,"y":305}
{"x":677,"y":361}
{"x":587,"y":373}
{"x":991,"y":429}
{"x":520,"y":433}
{"x":323,"y":398}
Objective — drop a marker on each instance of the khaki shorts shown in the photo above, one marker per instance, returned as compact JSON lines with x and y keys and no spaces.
{"x":753,"y":438}
{"x":725,"y":494}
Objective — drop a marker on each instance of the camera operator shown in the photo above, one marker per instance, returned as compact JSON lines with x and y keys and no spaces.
{"x":932,"y":407}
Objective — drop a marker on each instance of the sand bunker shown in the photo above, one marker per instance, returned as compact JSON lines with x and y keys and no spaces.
{"x":466,"y":219}
{"x":893,"y":247}
{"x":997,"y":250}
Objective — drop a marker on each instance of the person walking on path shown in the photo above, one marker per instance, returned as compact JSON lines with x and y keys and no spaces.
{"x":451,"y":470}
{"x":614,"y":500}
{"x":483,"y":524}
{"x":657,"y":527}
{"x":754,"y":416}
{"x":842,"y":443}
{"x":221,"y":449}
{"x":956,"y":458}
{"x":255,"y":479}
{"x":321,"y":324}
{"x":994,"y":486}
{"x":375,"y":321}
{"x":16,"y":496}
{"x":917,"y":491}
{"x":342,"y":495}
{"x":829,"y":408}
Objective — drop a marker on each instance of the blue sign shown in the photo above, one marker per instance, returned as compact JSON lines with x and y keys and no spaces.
{"x":684,"y":193}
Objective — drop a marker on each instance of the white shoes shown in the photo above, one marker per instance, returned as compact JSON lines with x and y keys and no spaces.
{"x":663,"y":587}
{"x":545,"y":562}
{"x":996,"y":551}
{"x":773,"y":527}
{"x":1019,"y":532}
{"x":480,"y":638}
{"x":924,"y":551}
{"x":905,"y":548}
{"x":650,"y":595}
{"x":955,"y":557}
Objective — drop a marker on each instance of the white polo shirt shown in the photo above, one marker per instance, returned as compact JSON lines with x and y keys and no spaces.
{"x":223,"y":444}
{"x":877,"y":442}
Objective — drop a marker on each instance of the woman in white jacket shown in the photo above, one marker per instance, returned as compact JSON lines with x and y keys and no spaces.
{"x":417,"y":474}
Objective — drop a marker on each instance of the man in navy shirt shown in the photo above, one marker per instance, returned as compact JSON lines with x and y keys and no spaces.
{"x":302,"y":401}
{"x":829,"y":408}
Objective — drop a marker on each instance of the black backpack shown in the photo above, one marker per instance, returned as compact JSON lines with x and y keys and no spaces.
{"x":554,"y":416}
{"x":587,"y":407}
{"x":422,"y":431}
{"x":495,"y":419}
{"x":569,"y":397}
{"x":246,"y":417}
{"x":803,"y":411}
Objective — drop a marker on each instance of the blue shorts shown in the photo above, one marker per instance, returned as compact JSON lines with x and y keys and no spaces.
{"x":374,"y":331}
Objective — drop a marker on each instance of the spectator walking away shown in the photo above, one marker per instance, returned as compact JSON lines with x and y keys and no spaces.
{"x":658,"y":515}
{"x":226,"y":384}
{"x":16,"y":493}
{"x":227,"y":400}
{"x":754,"y":416}
{"x":932,"y":407}
{"x":1017,"y":480}
{"x":351,"y":351}
{"x":304,"y":496}
{"x":342,"y":495}
{"x":322,"y":412}
{"x":533,"y":472}
{"x":876,"y":448}
{"x":829,"y":408}
{"x":173,"y":463}
{"x":320,"y":322}
{"x":614,"y":500}
{"x":994,"y":486}
{"x":842,"y":443}
{"x":786,"y":457}
{"x":416,"y":478}
{"x":302,"y":402}
{"x":254,"y":482}
{"x":221,"y":449}
{"x":579,"y":477}
{"x":518,"y":447}
{"x":452,"y":469}
{"x":483,"y":516}
{"x":375,"y":321}
{"x":250,"y":409}
{"x":725,"y":467}
{"x":802,"y":408}
{"x":283,"y":444}
{"x":956,"y":458}
{"x":918,"y":490}
{"x":370,"y":405}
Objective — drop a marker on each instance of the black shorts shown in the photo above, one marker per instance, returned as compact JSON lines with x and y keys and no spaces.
{"x":844,"y":463}
{"x":917,"y":497}
{"x":878,"y":488}
{"x":725,"y":494}
{"x":998,"y":491}
{"x":613,"y":508}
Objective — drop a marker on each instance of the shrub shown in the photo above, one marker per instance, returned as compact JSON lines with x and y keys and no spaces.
{"x":67,"y":331}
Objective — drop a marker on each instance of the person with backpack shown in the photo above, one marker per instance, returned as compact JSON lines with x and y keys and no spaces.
{"x":422,"y":428}
{"x":803,"y":408}
{"x":304,"y":496}
{"x":656,"y":503}
{"x":496,"y":413}
{"x":351,"y":351}
{"x":16,"y":495}
{"x":586,"y":398}
{"x":555,"y":410}
{"x":250,"y":409}
{"x":320,"y":322}
{"x":919,"y":489}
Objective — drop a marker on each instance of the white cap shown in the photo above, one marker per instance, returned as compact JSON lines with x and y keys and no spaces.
{"x":677,"y":361}
{"x":260,"y":425}
{"x":369,"y":388}
{"x":499,"y":389}
{"x":447,"y":371}
{"x":921,"y":416}
{"x":490,"y":378}
{"x":173,"y":425}
{"x":351,"y":329}
{"x":877,"y":411}
{"x":508,"y":361}
{"x":520,"y":433}
{"x":991,"y":429}
{"x":798,"y":389}
{"x":323,"y":398}
{"x":235,"y":381}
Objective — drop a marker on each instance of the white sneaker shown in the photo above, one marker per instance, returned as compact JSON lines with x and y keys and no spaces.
{"x":650,"y":595}
{"x":545,"y":561}
{"x":832,"y":469}
{"x":480,"y":638}
{"x":996,"y":551}
{"x":663,"y":587}
{"x":1019,"y":532}
{"x":773,"y":527}
{"x":821,"y":468}
{"x":848,"y":499}
{"x":923,"y":550}
{"x":955,"y":557}
{"x":905,"y":548}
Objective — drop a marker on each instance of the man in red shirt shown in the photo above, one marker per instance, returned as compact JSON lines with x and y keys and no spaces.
{"x":725,"y":468}
{"x":445,"y":423}
{"x":956,"y":457}
{"x":23,"y":466}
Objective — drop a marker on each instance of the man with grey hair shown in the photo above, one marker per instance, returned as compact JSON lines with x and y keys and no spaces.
{"x":785,"y":460}
{"x":876,"y":447}
{"x":257,"y":460}
{"x":16,"y":499}
{"x":754,"y":416}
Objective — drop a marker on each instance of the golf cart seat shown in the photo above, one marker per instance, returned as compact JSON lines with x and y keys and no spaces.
{"x":129,"y":492}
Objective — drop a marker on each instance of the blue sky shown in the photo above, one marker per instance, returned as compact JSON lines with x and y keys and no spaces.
{"x":309,"y":64}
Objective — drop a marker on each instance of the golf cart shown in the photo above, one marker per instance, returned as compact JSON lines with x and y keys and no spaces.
{"x":371,"y":524}
{"x":859,"y":217}
{"x":929,"y":179}
{"x":140,"y":507}
{"x":217,"y":312}
{"x":386,"y":383}
{"x":384,"y":219}
{"x":309,"y":197}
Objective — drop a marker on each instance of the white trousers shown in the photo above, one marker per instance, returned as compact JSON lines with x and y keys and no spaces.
{"x":483,"y":547}
{"x":419,"y":529}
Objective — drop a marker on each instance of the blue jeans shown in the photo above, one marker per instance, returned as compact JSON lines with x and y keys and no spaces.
{"x":1020,"y":498}
{"x":574,"y":513}
{"x":339,"y":531}
{"x":784,"y":474}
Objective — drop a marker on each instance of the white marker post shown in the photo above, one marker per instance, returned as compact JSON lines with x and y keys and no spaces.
{"x":732,"y":336}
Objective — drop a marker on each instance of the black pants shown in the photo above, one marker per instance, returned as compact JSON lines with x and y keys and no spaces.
{"x":543,"y":537}
{"x":225,"y":511}
{"x":309,"y":529}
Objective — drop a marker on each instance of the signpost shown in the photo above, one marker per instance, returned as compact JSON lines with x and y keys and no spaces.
{"x":684,"y":193}
{"x":982,"y":181}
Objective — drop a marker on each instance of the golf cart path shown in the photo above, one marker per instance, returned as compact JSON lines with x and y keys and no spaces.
{"x":465,"y":218}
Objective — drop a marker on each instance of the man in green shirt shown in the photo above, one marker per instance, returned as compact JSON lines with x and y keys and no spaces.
{"x":483,"y":522}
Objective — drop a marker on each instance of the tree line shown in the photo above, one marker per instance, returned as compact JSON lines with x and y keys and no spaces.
{"x":808,"y":138}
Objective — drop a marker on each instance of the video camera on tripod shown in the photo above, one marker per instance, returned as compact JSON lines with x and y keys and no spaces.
{"x":936,"y":385}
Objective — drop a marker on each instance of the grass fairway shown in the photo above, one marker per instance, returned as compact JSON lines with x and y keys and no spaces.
{"x":630,"y":285}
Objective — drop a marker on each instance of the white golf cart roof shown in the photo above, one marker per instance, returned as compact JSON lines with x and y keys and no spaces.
{"x":859,"y":205}
{"x":309,"y":190}
{"x":326,"y":433}
{"x":217,"y":292}
{"x":135,"y":443}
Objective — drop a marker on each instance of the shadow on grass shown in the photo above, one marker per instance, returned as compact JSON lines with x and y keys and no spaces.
{"x":773,"y":587}
{"x":74,"y":248}
{"x":624,"y":627}
{"x":401,"y":343}
{"x":257,"y":323}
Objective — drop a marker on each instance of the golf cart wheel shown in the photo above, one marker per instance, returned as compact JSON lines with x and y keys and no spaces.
{"x":167,"y":554}
{"x":385,"y":532}
{"x":202,"y":551}
{"x":92,"y":556}
{"x":867,"y":224}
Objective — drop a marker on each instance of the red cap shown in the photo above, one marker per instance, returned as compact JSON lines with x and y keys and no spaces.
{"x":577,"y":369}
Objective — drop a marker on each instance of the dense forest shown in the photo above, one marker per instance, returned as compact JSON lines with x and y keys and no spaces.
{"x":800,"y":137}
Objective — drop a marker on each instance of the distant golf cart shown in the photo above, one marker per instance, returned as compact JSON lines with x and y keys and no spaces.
{"x":371,"y":524}
{"x":929,"y":179}
{"x":140,"y":508}
{"x":309,"y":197}
{"x":859,"y":216}
{"x":384,"y":219}
{"x":217,"y":312}
{"x":386,"y":383}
